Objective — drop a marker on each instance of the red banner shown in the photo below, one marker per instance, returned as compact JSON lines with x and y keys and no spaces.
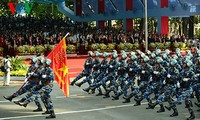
{"x":101,"y":6}
{"x":164,"y":4}
{"x":129,"y":5}
{"x":101,"y":24}
{"x":78,"y":7}
{"x":129,"y":24}
{"x":164,"y":25}
{"x":58,"y":57}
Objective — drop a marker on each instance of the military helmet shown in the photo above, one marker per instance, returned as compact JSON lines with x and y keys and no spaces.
{"x":48,"y":61}
{"x":189,"y":63}
{"x":132,"y":53}
{"x":114,"y":55}
{"x":167,"y":51}
{"x":165,"y":56}
{"x":123,"y":52}
{"x":41,"y":59}
{"x":105,"y":54}
{"x":146,"y":59}
{"x":90,"y":53}
{"x":173,"y":62}
{"x":33,"y":60}
{"x":159,"y":59}
{"x":175,"y":56}
{"x":153,"y":55}
{"x":133,"y":57}
{"x":115,"y":51}
{"x":158,"y":51}
{"x":177,"y":50}
{"x":148,"y":52}
{"x":97,"y":54}
{"x":124,"y":56}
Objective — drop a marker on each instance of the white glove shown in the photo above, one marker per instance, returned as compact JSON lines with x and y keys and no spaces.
{"x":155,"y":72}
{"x":25,"y":79}
{"x":196,"y":75}
{"x":30,"y":73}
{"x":178,"y":84}
{"x":87,"y":63}
{"x":143,"y":71}
{"x":168,"y":75}
{"x":40,"y":83}
{"x":44,"y":76}
{"x":130,"y":69}
{"x":164,"y":82}
{"x":111,"y":66}
{"x":185,"y":79}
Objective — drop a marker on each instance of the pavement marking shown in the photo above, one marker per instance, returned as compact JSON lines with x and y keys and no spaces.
{"x":71,"y":112}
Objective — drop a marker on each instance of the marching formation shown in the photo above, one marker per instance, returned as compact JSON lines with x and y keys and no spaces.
{"x":170,"y":79}
{"x":38,"y":84}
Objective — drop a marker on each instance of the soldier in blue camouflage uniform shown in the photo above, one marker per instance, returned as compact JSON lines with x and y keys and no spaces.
{"x":87,"y":68}
{"x":95,"y":73}
{"x":103,"y":69}
{"x":110,"y":75}
{"x":28,"y":84}
{"x":144,"y":72}
{"x":186,"y":90}
{"x":170,"y":84}
{"x":43,"y":89}
{"x":122,"y":76}
{"x":155,"y":85}
{"x":37,"y":76}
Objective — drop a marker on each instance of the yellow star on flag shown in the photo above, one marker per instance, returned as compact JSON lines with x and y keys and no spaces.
{"x":64,"y":68}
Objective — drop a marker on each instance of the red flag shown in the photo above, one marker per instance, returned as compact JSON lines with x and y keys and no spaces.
{"x":58,"y":57}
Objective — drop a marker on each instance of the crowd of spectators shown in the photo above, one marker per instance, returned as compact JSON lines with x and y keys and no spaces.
{"x":18,"y":31}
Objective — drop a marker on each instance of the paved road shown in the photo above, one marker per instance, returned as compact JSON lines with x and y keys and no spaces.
{"x":83,"y":106}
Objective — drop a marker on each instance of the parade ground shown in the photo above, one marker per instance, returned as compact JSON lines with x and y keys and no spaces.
{"x":83,"y":106}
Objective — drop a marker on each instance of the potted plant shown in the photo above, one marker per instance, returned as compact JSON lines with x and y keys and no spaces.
{"x":110,"y":47}
{"x":1,"y":51}
{"x":20,"y":50}
{"x":102,"y":47}
{"x":128,"y":46}
{"x":121,"y":46}
{"x":152,"y":46}
{"x":71,"y":49}
{"x":94,"y":46}
{"x":135,"y":46}
{"x":160,"y":45}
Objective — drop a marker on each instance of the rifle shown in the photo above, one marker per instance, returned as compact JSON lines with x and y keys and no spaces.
{"x":25,"y":82}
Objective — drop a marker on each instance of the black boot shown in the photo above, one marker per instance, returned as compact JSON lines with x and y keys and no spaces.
{"x":138,"y":101}
{"x":25,"y":103}
{"x":9,"y":97}
{"x":100,"y":92}
{"x":116,"y":97}
{"x":87,"y":89}
{"x":127,"y":101}
{"x":38,"y":109}
{"x":18,"y":102}
{"x":107,"y":94}
{"x":197,"y":104}
{"x":175,"y":112}
{"x":52,"y":115}
{"x":128,"y":98}
{"x":152,"y":105}
{"x":168,"y":108}
{"x":192,"y":116}
{"x":46,"y":112}
{"x":72,"y":83}
{"x":162,"y":109}
{"x":79,"y":84}
{"x":92,"y":91}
